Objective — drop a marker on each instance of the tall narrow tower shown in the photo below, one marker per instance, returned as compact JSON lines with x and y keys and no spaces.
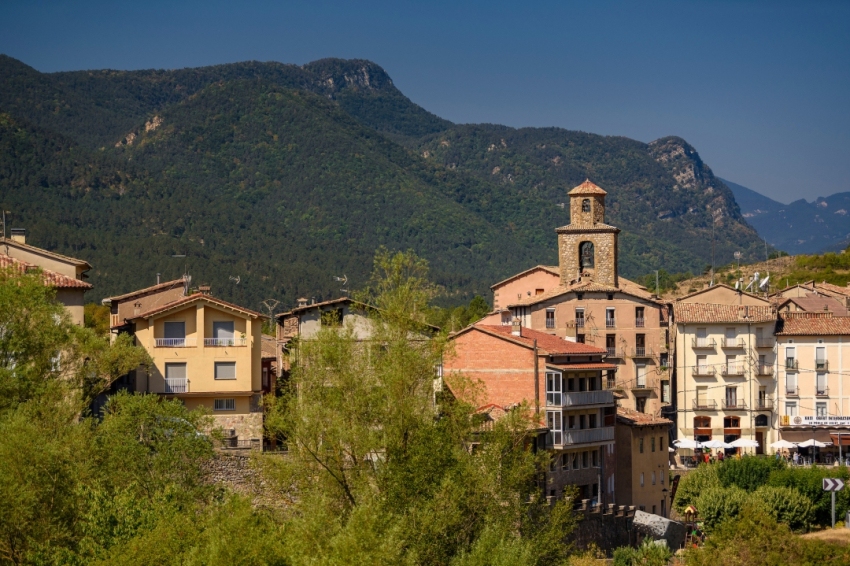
{"x":587,"y":247}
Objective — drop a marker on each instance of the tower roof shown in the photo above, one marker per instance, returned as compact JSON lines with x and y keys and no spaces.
{"x":587,"y":188}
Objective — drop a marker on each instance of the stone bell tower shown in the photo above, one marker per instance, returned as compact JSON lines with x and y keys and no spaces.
{"x":587,"y":247}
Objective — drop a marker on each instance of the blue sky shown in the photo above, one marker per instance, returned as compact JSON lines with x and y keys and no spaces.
{"x":761,"y":89}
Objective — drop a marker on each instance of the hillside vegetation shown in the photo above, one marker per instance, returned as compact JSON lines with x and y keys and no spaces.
{"x":284,"y":177}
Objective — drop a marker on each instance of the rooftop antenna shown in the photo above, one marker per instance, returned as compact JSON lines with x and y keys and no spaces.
{"x":271,"y":305}
{"x":236,"y":279}
{"x":344,"y":281}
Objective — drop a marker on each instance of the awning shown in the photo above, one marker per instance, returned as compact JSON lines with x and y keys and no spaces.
{"x":845,"y":438}
{"x":579,"y":367}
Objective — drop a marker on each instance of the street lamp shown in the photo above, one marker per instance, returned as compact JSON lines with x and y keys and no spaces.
{"x":664,"y":505}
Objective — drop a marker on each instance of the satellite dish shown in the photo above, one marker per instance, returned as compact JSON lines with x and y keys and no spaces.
{"x":763,"y":283}
{"x":737,"y":285}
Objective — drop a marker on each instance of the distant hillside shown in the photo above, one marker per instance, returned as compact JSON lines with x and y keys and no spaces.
{"x":285,"y":176}
{"x":800,"y":227}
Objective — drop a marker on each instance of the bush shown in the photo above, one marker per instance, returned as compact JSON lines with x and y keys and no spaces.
{"x":718,"y":504}
{"x":749,"y":473}
{"x":785,"y":505}
{"x":691,"y":485}
{"x":647,"y":554}
{"x":809,"y":482}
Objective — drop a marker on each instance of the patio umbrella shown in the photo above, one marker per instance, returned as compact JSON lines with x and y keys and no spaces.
{"x":783,"y":444}
{"x":686,"y":443}
{"x":671,"y":449}
{"x":716,"y":444}
{"x":744,"y":443}
{"x":812,"y":442}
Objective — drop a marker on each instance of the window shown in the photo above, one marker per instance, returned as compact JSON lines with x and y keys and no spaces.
{"x":702,"y":422}
{"x":653,"y":508}
{"x":224,"y":405}
{"x":265,"y":377}
{"x":565,"y":462}
{"x":641,"y":479}
{"x":702,"y":337}
{"x":575,"y":461}
{"x":223,"y":333}
{"x":640,"y":445}
{"x":702,"y":364}
{"x":640,"y":371}
{"x":731,"y":397}
{"x":175,"y":371}
{"x":579,"y":296}
{"x":791,"y":408}
{"x":572,"y":420}
{"x":175,"y":330}
{"x":579,"y":318}
{"x":609,"y":318}
{"x":662,"y":477}
{"x":553,"y":419}
{"x":585,"y":205}
{"x":550,"y":318}
{"x":640,"y":404}
{"x":225,"y":370}
{"x":652,"y":444}
{"x":595,"y":458}
{"x":582,"y":422}
{"x":790,"y":358}
{"x":639,"y":320}
{"x":665,"y":391}
{"x":580,"y":338}
{"x":731,"y":422}
{"x":539,"y":291}
{"x":610,"y":296}
{"x":584,"y":460}
{"x":790,"y":383}
{"x":653,"y":478}
{"x":554,"y":388}
{"x":661,"y":443}
{"x":730,"y":336}
{"x":761,"y":420}
{"x":820,"y":385}
{"x":820,"y":410}
{"x":591,"y":421}
{"x":820,"y":357}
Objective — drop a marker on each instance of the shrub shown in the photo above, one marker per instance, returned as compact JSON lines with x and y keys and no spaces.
{"x":809,"y":482}
{"x":718,"y":504}
{"x":749,"y":473}
{"x":647,"y":554}
{"x":691,"y":485}
{"x":785,"y":505}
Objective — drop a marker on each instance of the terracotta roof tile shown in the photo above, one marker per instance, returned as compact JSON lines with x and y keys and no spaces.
{"x":833,"y":289}
{"x":587,"y":188}
{"x":50,"y":278}
{"x":550,"y":344}
{"x":627,"y":287}
{"x":708,"y":312}
{"x":812,"y":324}
{"x":819,"y":303}
{"x":268,"y":346}
{"x":192,"y":298}
{"x":151,"y":289}
{"x":34,"y":249}
{"x":636,"y":418}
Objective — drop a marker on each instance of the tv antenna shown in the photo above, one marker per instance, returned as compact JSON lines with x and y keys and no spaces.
{"x":344,"y":281}
{"x":271,"y":305}
{"x":236,"y":279}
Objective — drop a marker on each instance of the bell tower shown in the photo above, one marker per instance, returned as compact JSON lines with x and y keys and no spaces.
{"x":587,"y":247}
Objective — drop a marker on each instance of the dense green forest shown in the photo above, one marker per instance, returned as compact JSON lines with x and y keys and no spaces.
{"x":284,"y":177}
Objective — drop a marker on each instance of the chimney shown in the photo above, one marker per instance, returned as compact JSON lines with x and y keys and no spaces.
{"x":19,"y":235}
{"x":205,"y":289}
{"x":516,"y":327}
{"x":157,"y":278}
{"x":302,"y":302}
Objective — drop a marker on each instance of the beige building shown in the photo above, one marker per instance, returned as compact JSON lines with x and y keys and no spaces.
{"x":206,"y":352}
{"x":65,"y":274}
{"x":643,"y":461}
{"x":725,"y":366}
{"x":585,"y":300}
{"x":813,"y":366}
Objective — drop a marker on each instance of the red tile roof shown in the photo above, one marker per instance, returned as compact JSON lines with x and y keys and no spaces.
{"x":34,"y":249}
{"x":193,"y":298}
{"x":587,"y":188}
{"x":636,"y":418}
{"x":812,"y":324}
{"x":708,"y":312}
{"x":833,"y":289}
{"x":268,"y":347}
{"x":818,"y":303}
{"x":547,"y":343}
{"x":146,"y":290}
{"x":548,"y":268}
{"x":50,"y":278}
{"x":626,"y":287}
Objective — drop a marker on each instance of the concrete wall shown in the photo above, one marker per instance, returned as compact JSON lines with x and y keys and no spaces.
{"x":74,"y":301}
{"x":533,"y":283}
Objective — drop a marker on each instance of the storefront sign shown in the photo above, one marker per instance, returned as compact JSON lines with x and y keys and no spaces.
{"x":816,"y":421}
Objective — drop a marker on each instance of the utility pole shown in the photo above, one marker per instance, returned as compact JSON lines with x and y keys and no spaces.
{"x":712,"y":250}
{"x":657,"y":290}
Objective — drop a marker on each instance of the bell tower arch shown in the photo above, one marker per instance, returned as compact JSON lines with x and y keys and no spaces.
{"x":587,"y":247}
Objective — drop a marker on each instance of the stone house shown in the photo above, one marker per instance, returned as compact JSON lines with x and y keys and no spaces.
{"x":643,"y":461}
{"x":562,"y":383}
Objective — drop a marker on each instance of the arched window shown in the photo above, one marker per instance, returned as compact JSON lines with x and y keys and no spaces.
{"x":702,"y":422}
{"x":761,"y":420}
{"x":586,"y":255}
{"x":731,"y":422}
{"x":585,"y":205}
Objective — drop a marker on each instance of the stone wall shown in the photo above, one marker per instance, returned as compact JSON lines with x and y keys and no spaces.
{"x":248,"y":426}
{"x":606,"y":526}
{"x":604,"y":269}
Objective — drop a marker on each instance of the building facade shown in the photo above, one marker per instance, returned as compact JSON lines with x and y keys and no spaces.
{"x":725,"y":366}
{"x":561,"y":382}
{"x":643,"y":461}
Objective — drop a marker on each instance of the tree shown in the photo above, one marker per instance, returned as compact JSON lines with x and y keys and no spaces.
{"x":719,"y":504}
{"x":692,"y":485}
{"x":785,"y":505}
{"x":749,"y":473}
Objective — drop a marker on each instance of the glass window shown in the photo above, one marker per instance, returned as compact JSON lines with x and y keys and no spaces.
{"x":554,"y":386}
{"x":550,"y":318}
{"x":224,"y":405}
{"x":553,"y":419}
{"x":820,"y":385}
{"x":820,"y":409}
{"x":585,"y":463}
{"x":665,"y":391}
{"x":565,"y":462}
{"x":791,"y":409}
{"x":640,"y":445}
{"x":653,"y":478}
{"x":223,"y":330}
{"x":652,"y":444}
{"x":175,"y":330}
{"x":225,"y":370}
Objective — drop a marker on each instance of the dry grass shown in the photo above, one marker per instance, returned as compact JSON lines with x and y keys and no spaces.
{"x":838,"y":535}
{"x":777,"y":268}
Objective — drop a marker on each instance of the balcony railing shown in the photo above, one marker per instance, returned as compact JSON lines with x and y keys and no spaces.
{"x":822,"y":365}
{"x":644,"y":384}
{"x":550,"y":322}
{"x":588,"y":435}
{"x":707,"y":343}
{"x":732,"y":369}
{"x":822,"y":391}
{"x":764,"y":343}
{"x":765,"y":404}
{"x":640,"y":322}
{"x":792,"y":391}
{"x":734,"y":405}
{"x":580,"y":322}
{"x":176,"y":385}
{"x":705,"y":405}
{"x":575,"y":398}
{"x":703,"y":371}
{"x":610,"y":323}
{"x":641,"y":352}
{"x":731,"y":342}
{"x":175,"y":342}
{"x":764,"y":370}
{"x":791,"y":363}
{"x":223,"y":342}
{"x":614,"y":352}
{"x":612,"y":384}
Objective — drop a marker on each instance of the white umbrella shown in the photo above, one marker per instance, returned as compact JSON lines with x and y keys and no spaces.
{"x":812,"y":442}
{"x":744,"y":443}
{"x":671,"y":449}
{"x":783,"y":444}
{"x":716,"y":444}
{"x":686,"y":443}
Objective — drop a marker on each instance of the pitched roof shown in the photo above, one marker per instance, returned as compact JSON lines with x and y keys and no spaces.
{"x":548,"y":268}
{"x":547,"y":344}
{"x":268,"y":346}
{"x":709,"y":312}
{"x":145,"y":291}
{"x":812,"y":324}
{"x":194,"y":298}
{"x":596,"y":227}
{"x":587,"y":188}
{"x":833,"y":289}
{"x":717,"y":285}
{"x":340,"y":300}
{"x":818,"y":303}
{"x":589,"y":286}
{"x":34,"y":249}
{"x":636,"y":418}
{"x":48,"y":277}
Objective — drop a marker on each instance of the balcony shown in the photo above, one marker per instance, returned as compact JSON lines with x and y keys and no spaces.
{"x":730,"y":343}
{"x":703,"y":371}
{"x":822,"y":391}
{"x":175,"y":342}
{"x":704,"y":343}
{"x":587,"y":435}
{"x":610,"y":323}
{"x":576,"y":398}
{"x":765,"y":404}
{"x":580,"y":322}
{"x":614,"y":352}
{"x":644,"y":384}
{"x":641,"y":352}
{"x":224,"y":342}
{"x":792,"y":391}
{"x":732,"y":370}
{"x":705,"y":405}
{"x":764,"y":343}
{"x":764,"y":370}
{"x":791,"y":364}
{"x":612,"y":385}
{"x":821,"y":365}
{"x":733,"y":405}
{"x":174,"y":385}
{"x":640,"y":322}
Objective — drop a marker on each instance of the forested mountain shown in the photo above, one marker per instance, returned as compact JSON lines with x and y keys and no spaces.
{"x":800,"y":227}
{"x":287,"y":176}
